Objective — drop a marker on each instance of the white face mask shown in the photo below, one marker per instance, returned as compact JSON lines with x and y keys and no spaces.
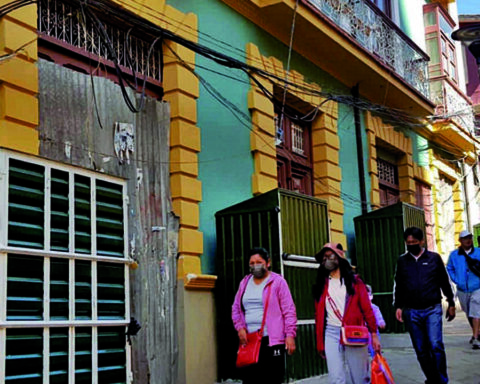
{"x":258,"y":270}
{"x":330,"y":265}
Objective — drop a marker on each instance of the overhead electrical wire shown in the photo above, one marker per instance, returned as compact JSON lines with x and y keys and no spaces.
{"x":392,"y":115}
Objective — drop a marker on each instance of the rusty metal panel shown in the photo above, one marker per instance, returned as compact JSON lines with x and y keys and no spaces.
{"x":71,"y":131}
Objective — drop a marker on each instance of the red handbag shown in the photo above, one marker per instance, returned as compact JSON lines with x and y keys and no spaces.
{"x":381,"y":373}
{"x":248,"y":354}
{"x":352,"y":335}
{"x":355,"y":335}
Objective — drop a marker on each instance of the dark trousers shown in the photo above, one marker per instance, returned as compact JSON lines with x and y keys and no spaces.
{"x":270,"y":368}
{"x":425,"y":328}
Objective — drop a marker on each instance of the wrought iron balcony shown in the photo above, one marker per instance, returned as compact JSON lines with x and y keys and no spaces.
{"x":376,"y":33}
{"x":452,"y":104}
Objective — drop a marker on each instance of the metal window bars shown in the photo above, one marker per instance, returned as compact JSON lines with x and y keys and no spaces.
{"x":376,"y":33}
{"x":66,"y":23}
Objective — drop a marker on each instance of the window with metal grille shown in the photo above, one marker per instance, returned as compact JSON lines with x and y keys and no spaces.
{"x":294,"y":162}
{"x":388,"y":182}
{"x":387,"y":172}
{"x":64,"y":300}
{"x":297,"y":139}
{"x":70,"y":37}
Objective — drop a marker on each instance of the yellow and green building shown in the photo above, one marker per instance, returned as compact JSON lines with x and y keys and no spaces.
{"x":358,"y":104}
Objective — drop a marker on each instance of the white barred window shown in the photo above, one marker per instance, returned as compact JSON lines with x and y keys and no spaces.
{"x":64,"y":293}
{"x":297,"y":139}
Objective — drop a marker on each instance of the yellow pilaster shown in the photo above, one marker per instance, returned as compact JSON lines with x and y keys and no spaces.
{"x":458,"y":208}
{"x":19,"y":112}
{"x":376,"y":129}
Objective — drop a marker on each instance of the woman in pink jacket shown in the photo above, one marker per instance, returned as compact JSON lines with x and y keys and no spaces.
{"x":280,"y":322}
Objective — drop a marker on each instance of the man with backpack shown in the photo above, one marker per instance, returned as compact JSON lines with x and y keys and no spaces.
{"x":462,"y":267}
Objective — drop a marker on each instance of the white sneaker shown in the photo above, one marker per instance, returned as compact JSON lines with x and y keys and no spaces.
{"x":475,"y":344}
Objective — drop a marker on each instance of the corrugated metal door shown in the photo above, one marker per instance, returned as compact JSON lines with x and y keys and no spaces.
{"x":379,"y":242}
{"x":304,"y":222}
{"x":255,"y":222}
{"x":237,"y":232}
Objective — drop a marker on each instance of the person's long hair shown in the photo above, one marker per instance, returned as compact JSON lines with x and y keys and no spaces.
{"x":346,"y":275}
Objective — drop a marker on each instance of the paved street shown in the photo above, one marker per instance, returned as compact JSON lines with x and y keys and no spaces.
{"x":463,"y":362}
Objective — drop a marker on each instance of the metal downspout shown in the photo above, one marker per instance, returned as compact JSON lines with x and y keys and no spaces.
{"x":360,"y":161}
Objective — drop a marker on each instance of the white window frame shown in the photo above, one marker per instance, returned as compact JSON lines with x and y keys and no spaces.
{"x":71,"y":323}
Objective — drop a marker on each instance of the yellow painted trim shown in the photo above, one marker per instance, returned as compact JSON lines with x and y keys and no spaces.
{"x":423,"y":174}
{"x":377,"y":129}
{"x":19,"y":112}
{"x":18,"y":137}
{"x":181,"y":91}
{"x":446,"y":169}
{"x":458,"y":208}
{"x":436,"y":204}
{"x":183,"y":161}
{"x":188,"y":264}
{"x":200,"y":282}
{"x":190,"y":241}
{"x":325,"y":141}
{"x":437,"y":167}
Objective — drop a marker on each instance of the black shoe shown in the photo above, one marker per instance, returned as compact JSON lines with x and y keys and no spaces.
{"x":471,"y":340}
{"x":476,"y":344}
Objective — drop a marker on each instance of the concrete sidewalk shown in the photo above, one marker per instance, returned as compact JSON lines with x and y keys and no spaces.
{"x":463,"y":362}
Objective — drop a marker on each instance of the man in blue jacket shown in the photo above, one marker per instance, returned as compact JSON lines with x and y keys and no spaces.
{"x":468,"y":283}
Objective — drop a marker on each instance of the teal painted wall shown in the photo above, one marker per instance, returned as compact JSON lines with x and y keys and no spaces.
{"x":225,"y":161}
{"x":350,"y":177}
{"x":411,"y":20}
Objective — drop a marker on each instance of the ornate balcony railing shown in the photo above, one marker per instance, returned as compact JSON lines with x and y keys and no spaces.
{"x":451,"y":104}
{"x":64,"y":23}
{"x":376,"y":33}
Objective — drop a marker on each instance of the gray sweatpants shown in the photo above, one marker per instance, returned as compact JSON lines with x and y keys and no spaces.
{"x":339,"y":357}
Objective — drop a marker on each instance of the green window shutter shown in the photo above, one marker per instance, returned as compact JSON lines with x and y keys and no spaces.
{"x":24,"y":356}
{"x":24,"y":288}
{"x":59,"y":237}
{"x":83,"y":290}
{"x":26,"y":195}
{"x":110,"y":231}
{"x":59,"y":272}
{"x":83,"y":356}
{"x":111,"y":291}
{"x":83,"y":233}
{"x":111,"y":355}
{"x":58,"y":355}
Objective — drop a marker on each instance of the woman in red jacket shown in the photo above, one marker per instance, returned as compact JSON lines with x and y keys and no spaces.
{"x":341,"y":298}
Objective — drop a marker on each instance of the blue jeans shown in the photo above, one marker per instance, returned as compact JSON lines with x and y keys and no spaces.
{"x":425,"y":328}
